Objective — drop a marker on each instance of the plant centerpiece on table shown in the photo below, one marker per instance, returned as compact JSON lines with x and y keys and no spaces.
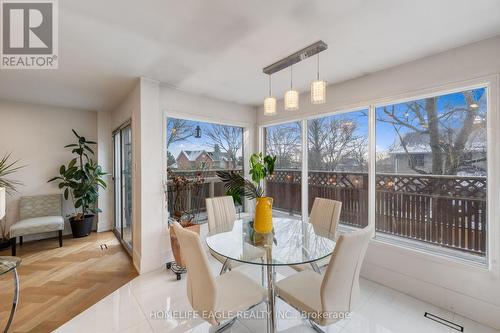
{"x":237,"y":186}
{"x":81,"y":180}
{"x":7,"y":167}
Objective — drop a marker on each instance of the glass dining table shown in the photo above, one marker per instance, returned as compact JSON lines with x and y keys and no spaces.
{"x":10,"y":264}
{"x":292,"y":242}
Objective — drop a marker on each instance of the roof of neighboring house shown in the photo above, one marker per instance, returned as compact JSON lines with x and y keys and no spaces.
{"x":192,"y":155}
{"x":221,"y":156}
{"x":419,"y":143}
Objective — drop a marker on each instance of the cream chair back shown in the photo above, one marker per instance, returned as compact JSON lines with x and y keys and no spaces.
{"x":325,"y":213}
{"x":340,"y":285}
{"x":201,"y":288}
{"x":220,"y":212}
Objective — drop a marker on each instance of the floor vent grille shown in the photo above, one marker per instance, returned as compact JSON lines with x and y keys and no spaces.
{"x":443,"y":321}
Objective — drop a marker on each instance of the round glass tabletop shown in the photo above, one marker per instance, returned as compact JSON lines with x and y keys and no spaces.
{"x":292,"y":242}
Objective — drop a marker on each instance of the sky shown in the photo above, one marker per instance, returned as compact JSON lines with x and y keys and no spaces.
{"x":192,"y":143}
{"x":385,"y":134}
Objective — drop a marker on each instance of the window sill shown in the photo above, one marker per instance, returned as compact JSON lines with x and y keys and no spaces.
{"x":437,"y":251}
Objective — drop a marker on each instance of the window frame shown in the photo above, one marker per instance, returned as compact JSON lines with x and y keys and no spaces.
{"x":246,"y":148}
{"x":491,"y":85}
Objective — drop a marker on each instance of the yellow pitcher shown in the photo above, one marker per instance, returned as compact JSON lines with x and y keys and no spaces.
{"x":264,"y":215}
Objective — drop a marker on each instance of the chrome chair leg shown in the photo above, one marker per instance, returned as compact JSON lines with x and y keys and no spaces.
{"x":221,"y":327}
{"x":226,"y":266}
{"x":315,"y":267}
{"x":316,"y":326}
{"x":15,"y":300}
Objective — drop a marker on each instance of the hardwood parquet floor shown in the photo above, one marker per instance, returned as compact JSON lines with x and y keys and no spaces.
{"x":59,"y":283}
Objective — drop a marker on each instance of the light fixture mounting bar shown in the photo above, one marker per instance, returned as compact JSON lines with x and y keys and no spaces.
{"x":296,"y":57}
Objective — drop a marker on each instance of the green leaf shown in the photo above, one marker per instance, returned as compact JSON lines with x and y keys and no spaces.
{"x":76,"y":133}
{"x":72,"y":163}
{"x":66,"y":194}
{"x":89,"y":149}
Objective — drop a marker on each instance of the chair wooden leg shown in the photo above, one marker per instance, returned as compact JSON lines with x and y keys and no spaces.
{"x":20,"y":240}
{"x":13,"y":246}
{"x":60,"y":238}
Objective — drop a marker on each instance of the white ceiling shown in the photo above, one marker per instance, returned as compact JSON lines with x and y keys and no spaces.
{"x":218,"y":47}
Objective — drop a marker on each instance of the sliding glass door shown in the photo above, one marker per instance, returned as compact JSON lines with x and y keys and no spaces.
{"x":122,"y":175}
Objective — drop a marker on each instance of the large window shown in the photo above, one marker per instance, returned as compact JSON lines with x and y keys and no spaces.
{"x":338,"y":163}
{"x":285,"y":142}
{"x":431,"y":173}
{"x":416,"y":169}
{"x":195,"y":151}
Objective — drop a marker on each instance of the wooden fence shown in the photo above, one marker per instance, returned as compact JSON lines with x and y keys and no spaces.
{"x":195,"y":198}
{"x":449,"y":211}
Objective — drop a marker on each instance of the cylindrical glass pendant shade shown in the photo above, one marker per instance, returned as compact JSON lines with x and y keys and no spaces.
{"x":318,"y":92}
{"x":292,"y":100}
{"x":269,"y":106}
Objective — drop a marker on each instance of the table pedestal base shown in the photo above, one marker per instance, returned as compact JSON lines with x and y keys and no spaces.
{"x":271,"y":299}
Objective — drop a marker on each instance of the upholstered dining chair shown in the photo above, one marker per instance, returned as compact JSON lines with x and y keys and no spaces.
{"x":221,"y":213}
{"x":326,"y":298}
{"x":215,"y":299}
{"x":325,"y":214}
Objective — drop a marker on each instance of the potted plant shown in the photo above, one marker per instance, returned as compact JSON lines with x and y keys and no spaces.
{"x":260,"y":168}
{"x":81,"y":180}
{"x":184,"y":201}
{"x":7,"y":167}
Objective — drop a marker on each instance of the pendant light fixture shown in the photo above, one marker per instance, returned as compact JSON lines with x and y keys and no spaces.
{"x":318,"y":89}
{"x":270,"y":102}
{"x":197,"y":132}
{"x":291,"y":96}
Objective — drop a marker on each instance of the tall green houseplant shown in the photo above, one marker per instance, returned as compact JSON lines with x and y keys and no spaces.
{"x":260,"y":168}
{"x":81,"y":179}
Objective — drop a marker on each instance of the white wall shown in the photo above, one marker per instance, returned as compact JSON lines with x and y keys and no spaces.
{"x":105,"y":160}
{"x":36,"y":135}
{"x":148,"y":104}
{"x":471,"y":291}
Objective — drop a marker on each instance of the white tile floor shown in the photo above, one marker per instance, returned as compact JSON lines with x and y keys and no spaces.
{"x":130,"y":308}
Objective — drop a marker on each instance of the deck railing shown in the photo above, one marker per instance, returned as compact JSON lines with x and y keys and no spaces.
{"x":449,"y":211}
{"x":211,"y":187}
